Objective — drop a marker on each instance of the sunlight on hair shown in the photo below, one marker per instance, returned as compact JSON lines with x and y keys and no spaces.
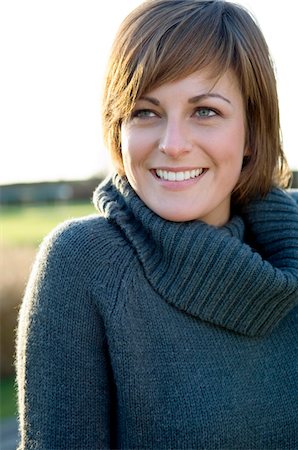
{"x":53,"y":83}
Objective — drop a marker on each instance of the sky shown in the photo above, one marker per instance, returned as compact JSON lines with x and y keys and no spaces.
{"x":53,"y":58}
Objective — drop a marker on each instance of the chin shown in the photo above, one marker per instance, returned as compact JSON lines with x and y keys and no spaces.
{"x":174,"y":216}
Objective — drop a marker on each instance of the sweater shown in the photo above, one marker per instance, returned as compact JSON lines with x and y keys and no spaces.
{"x":140,"y":333}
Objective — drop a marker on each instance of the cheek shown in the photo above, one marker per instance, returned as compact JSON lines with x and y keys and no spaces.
{"x":136,"y":144}
{"x":230,"y":145}
{"x":124,"y":140}
{"x":125,"y":152}
{"x":132,"y":154}
{"x":129,"y":139}
{"x":126,"y":146}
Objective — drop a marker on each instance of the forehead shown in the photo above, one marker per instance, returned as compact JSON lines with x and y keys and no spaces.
{"x":198,"y":83}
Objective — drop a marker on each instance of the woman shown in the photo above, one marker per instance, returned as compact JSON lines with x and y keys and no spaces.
{"x":169,"y":319}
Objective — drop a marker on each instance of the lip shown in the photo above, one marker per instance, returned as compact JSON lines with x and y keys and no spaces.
{"x":177,"y":169}
{"x":178,"y":185}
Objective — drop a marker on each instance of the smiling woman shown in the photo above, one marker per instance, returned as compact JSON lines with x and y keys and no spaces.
{"x":169,"y":319}
{"x":183,"y":147}
{"x":256,"y":84}
{"x":40,"y":77}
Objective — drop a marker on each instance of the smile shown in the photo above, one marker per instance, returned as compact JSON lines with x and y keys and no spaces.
{"x":178,"y":176}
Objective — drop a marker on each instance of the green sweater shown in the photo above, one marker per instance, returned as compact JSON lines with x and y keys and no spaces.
{"x":139,"y":333}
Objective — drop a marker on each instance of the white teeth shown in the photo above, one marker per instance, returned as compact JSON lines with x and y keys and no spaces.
{"x":178,"y":176}
{"x":171,"y":176}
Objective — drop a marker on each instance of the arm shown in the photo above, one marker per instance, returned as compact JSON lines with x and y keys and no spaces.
{"x":62,"y":363}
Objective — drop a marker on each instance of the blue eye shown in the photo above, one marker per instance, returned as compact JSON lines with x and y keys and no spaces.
{"x":143,"y":114}
{"x":205,"y":112}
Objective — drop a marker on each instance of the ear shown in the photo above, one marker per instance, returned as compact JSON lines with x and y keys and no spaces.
{"x":247,"y":152}
{"x":246,"y":157}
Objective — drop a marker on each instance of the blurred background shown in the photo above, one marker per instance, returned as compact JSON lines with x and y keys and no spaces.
{"x":53,"y":58}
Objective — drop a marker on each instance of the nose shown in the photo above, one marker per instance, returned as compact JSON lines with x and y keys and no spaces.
{"x":175,"y":140}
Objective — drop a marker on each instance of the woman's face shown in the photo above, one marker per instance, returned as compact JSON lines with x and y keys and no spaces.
{"x":183,"y":147}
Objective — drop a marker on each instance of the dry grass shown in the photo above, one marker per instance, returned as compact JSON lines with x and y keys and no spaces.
{"x":15,"y":265}
{"x":23,"y":228}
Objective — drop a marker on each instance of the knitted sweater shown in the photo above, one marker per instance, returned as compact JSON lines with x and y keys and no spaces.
{"x":139,"y":333}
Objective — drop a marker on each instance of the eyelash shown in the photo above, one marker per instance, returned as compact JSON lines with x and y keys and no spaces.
{"x":139,"y":113}
{"x":205,"y":108}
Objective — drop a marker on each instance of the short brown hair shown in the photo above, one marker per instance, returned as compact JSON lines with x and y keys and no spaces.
{"x":166,"y":40}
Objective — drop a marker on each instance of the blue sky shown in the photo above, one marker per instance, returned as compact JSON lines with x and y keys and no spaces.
{"x":54,"y":58}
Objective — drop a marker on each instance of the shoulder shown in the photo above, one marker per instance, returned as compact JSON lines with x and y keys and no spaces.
{"x":80,"y":235}
{"x":277,"y":203}
{"x":77,"y":245}
{"x":294,"y":194}
{"x":271,"y":226}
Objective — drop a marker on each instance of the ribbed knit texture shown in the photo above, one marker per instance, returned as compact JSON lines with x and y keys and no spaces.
{"x":232,"y":286}
{"x":139,"y":333}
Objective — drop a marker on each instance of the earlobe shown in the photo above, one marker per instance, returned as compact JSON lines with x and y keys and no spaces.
{"x":247,"y":152}
{"x":246,"y":158}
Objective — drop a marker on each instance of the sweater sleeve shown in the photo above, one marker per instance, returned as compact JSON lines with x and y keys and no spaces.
{"x":62,"y":359}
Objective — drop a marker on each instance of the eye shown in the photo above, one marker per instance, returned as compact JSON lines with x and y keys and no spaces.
{"x":143,"y":114}
{"x":204,"y":112}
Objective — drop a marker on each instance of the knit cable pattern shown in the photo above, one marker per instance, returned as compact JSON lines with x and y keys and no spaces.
{"x":210,"y":272}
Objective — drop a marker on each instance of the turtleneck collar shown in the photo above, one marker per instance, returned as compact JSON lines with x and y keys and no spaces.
{"x":114,"y":205}
{"x":206,"y":271}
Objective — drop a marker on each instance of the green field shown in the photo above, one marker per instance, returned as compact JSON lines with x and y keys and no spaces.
{"x":22,"y":229}
{"x":8,"y":398}
{"x":27,"y":225}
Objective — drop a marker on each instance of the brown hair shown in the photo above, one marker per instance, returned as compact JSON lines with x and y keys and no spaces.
{"x":165,"y":40}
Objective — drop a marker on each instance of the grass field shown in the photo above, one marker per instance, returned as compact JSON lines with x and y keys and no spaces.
{"x":22,"y":230}
{"x":27,"y":225}
{"x":8,"y":398}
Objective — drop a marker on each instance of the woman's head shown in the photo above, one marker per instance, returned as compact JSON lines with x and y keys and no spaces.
{"x":163,"y":41}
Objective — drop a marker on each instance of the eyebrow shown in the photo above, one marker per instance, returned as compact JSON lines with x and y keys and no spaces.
{"x":151,"y":100}
{"x":195,"y":99}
